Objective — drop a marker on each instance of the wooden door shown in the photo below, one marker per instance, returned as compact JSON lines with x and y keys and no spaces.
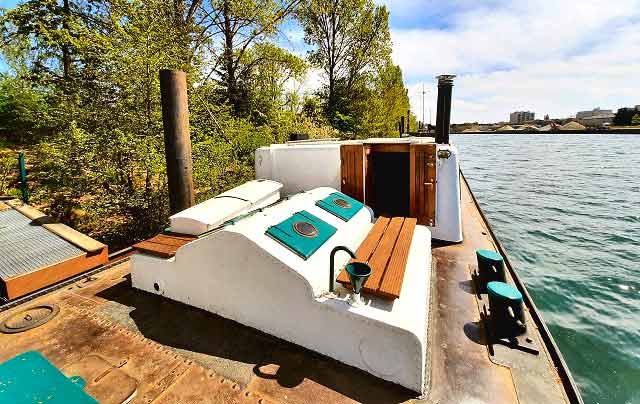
{"x":422,"y":183}
{"x":352,"y":170}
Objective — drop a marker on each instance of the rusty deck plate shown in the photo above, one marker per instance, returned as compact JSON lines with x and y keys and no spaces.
{"x":174,"y":353}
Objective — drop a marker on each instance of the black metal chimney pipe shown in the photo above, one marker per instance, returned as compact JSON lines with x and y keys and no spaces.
{"x":177,"y":144}
{"x":443,"y":114}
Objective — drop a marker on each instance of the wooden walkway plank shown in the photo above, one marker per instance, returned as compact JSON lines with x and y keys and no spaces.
{"x":160,"y":250}
{"x":394,"y":275}
{"x":163,"y":245}
{"x":380,"y":257}
{"x":386,"y":250}
{"x":169,"y":240}
{"x":367,"y":247}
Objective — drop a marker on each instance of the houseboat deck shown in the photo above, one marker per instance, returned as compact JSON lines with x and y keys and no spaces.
{"x":124,"y":342}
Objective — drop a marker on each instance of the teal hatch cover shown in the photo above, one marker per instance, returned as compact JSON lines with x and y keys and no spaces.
{"x":30,"y":378}
{"x":340,"y":205}
{"x":302,"y":233}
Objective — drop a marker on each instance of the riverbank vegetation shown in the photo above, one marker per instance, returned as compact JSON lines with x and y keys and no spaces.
{"x":81,"y":96}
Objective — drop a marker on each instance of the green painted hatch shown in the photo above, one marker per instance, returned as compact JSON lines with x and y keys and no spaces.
{"x":302,"y":233}
{"x":340,"y":205}
{"x":30,"y":378}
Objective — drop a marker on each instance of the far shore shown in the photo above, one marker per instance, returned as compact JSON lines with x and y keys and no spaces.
{"x":634,"y":131}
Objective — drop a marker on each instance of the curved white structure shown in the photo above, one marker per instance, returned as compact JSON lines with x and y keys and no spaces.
{"x":243,"y":274}
{"x":215,"y":211}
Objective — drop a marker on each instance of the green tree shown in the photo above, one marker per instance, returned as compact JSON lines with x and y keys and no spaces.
{"x":350,"y":37}
{"x":269,"y":68}
{"x":635,"y":121}
{"x":233,"y":27}
{"x":83,"y":90}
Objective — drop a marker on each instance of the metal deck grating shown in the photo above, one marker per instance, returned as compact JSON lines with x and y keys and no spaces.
{"x":25,"y":247}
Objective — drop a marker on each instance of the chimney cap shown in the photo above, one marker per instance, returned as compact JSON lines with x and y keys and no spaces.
{"x":446,"y":78}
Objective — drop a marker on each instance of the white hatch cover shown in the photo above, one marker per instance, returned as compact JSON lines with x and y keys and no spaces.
{"x":217,"y":210}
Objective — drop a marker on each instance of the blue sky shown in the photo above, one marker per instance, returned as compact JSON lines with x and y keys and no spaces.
{"x":553,"y":57}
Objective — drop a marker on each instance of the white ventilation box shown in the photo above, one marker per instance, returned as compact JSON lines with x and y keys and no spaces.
{"x":215,"y":211}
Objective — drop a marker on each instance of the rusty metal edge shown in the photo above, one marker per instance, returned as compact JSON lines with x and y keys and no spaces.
{"x":115,"y":258}
{"x":568,"y":382}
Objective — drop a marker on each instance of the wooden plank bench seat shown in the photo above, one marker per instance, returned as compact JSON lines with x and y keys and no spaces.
{"x":386,"y":250}
{"x":164,"y":245}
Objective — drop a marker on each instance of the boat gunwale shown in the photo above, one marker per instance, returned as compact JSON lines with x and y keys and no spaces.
{"x":569,"y":384}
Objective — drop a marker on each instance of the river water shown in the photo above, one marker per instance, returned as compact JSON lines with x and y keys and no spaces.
{"x":567,"y":210}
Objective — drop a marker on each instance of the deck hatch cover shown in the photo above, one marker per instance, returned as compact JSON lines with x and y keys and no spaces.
{"x":303,"y":233}
{"x":29,"y":318}
{"x":25,"y":247}
{"x":340,"y":205}
{"x":31,"y":378}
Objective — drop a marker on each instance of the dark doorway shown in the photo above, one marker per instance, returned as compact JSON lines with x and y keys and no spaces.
{"x":390,"y":183}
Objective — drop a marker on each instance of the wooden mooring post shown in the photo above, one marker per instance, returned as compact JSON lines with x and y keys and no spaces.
{"x":177,"y":144}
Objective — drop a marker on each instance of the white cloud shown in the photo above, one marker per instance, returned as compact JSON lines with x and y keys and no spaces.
{"x":553,"y":57}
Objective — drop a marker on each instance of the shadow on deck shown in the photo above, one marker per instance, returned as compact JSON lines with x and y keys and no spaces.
{"x":252,"y":358}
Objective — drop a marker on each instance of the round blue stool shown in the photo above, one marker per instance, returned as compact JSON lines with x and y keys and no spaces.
{"x":490,"y":268}
{"x":507,"y":309}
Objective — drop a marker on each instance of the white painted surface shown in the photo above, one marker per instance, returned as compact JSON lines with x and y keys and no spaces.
{"x":300,"y":167}
{"x":304,"y":166}
{"x":215,"y":211}
{"x":241,"y":273}
{"x":448,"y":214}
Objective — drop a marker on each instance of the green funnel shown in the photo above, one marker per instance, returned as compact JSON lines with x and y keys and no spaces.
{"x":358,"y":274}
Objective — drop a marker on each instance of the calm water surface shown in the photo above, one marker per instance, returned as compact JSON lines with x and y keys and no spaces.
{"x":567,"y":209}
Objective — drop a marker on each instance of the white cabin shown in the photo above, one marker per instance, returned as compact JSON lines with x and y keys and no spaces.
{"x":252,"y":262}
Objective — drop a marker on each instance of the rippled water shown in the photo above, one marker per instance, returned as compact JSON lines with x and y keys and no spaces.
{"x":567,"y":209}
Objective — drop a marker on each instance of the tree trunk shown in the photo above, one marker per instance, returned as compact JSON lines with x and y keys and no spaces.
{"x":229,"y":66}
{"x":66,"y":49}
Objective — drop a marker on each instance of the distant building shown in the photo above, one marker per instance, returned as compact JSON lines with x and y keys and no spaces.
{"x":596,"y":117}
{"x":519,"y":117}
{"x":593,"y":112}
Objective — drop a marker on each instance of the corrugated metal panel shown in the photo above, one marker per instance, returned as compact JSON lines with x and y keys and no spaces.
{"x":25,"y":247}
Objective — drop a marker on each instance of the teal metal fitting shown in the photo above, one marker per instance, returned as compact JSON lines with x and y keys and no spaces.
{"x":22,"y":169}
{"x":506,"y":308}
{"x":490,"y":268}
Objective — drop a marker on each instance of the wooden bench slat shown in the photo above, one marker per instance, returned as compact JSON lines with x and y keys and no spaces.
{"x":169,"y":240}
{"x":381,"y":255}
{"x":386,"y":250}
{"x":372,"y":240}
{"x":161,"y":250}
{"x":394,"y":275}
{"x":163,"y":245}
{"x":367,"y":247}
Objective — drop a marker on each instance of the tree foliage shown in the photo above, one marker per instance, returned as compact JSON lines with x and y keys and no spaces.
{"x":82,"y":96}
{"x":365,"y":95}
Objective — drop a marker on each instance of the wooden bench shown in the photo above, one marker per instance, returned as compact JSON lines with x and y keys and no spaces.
{"x":386,"y":250}
{"x":164,"y":245}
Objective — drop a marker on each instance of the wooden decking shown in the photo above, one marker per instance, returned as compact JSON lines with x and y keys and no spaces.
{"x":386,"y":250}
{"x":163,"y":245}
